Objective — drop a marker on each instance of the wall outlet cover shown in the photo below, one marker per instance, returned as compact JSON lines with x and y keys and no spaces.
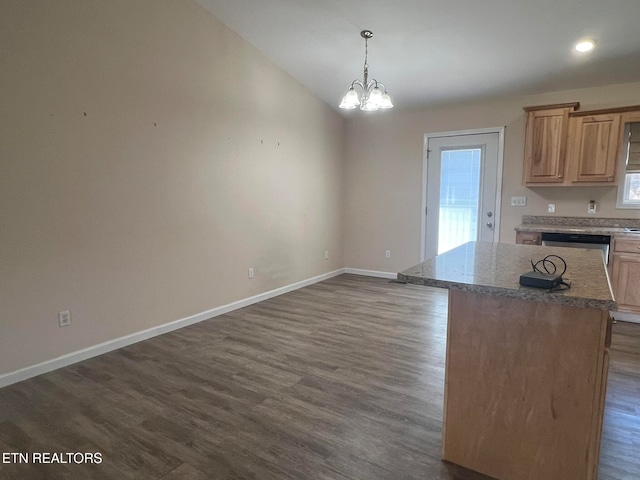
{"x":64,"y":318}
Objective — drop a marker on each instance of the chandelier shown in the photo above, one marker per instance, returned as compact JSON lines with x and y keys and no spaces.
{"x":372,"y":97}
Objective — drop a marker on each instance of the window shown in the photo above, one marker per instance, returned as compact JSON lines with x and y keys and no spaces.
{"x":459,"y":197}
{"x":629,"y":187}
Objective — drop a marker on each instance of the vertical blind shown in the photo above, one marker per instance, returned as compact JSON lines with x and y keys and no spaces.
{"x":633,"y":152}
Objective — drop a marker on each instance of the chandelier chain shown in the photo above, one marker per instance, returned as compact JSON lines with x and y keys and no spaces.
{"x":366,"y":53}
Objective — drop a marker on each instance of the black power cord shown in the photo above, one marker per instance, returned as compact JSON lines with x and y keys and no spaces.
{"x":545,"y":262}
{"x":550,"y":268}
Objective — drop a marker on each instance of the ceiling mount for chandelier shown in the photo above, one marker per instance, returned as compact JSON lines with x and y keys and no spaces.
{"x":373,"y":95}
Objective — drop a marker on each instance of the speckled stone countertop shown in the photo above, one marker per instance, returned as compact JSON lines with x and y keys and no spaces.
{"x":595,"y":226}
{"x":544,"y":228}
{"x":495,"y":269}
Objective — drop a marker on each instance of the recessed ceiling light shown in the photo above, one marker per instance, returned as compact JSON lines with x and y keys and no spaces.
{"x":585,"y":46}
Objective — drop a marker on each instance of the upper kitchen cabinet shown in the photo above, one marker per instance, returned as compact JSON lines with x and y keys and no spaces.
{"x":593,"y":147}
{"x":546,"y":143}
{"x":564,"y":147}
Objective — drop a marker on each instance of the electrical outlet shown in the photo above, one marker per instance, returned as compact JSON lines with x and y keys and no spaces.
{"x":551,"y":208}
{"x":252,"y":273}
{"x":387,"y":254}
{"x":518,"y":201}
{"x":64,"y":318}
{"x":592,"y":206}
{"x":326,"y":254}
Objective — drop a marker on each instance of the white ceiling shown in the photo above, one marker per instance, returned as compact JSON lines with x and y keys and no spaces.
{"x":429,"y":52}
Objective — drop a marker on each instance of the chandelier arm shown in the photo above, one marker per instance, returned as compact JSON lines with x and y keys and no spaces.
{"x":372,"y":84}
{"x":358,"y":83}
{"x":380,"y":84}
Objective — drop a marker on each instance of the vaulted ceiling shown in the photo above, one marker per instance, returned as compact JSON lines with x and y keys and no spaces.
{"x":430,"y":52}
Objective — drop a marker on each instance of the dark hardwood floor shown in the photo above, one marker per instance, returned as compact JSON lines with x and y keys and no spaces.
{"x":339,"y":380}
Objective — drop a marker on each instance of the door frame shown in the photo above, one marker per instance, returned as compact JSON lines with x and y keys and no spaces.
{"x":498,"y":210}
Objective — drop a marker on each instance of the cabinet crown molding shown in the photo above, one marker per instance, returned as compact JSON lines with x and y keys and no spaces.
{"x":571,"y":105}
{"x":604,"y":111}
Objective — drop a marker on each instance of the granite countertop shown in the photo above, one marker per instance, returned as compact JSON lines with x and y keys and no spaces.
{"x":495,"y":269}
{"x":594,"y":230}
{"x":588,"y":225}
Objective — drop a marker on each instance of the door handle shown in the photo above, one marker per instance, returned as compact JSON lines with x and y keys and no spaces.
{"x":489,"y":214}
{"x":489,"y":224}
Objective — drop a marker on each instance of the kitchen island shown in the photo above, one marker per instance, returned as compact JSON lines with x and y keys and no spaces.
{"x":526,"y":369}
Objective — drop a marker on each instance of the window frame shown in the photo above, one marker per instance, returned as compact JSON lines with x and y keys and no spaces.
{"x":624,"y":183}
{"x":624,"y":188}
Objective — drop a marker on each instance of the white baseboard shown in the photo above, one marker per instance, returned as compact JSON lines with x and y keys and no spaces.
{"x":95,"y":350}
{"x":371,"y":273}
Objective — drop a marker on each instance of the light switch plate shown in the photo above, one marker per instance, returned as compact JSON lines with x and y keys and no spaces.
{"x":518,"y":201}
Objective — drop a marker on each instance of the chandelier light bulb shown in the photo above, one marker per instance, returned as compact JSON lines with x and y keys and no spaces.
{"x":376,"y":96}
{"x":350,"y":100}
{"x":369,"y":106}
{"x":385,"y":101}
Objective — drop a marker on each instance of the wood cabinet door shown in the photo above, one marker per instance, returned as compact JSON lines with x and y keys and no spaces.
{"x":625,"y":280}
{"x":593,"y":148}
{"x":545,"y":145}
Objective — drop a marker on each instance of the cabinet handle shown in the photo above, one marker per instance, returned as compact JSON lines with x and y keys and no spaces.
{"x":559,"y":176}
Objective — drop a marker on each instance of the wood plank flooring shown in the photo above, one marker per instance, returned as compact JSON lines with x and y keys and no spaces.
{"x":339,"y":380}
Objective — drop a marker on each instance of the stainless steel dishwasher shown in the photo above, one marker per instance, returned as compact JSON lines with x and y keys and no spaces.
{"x":579,"y":240}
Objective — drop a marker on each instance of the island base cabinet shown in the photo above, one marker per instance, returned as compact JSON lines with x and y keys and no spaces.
{"x":625,"y":274}
{"x":524,"y":387}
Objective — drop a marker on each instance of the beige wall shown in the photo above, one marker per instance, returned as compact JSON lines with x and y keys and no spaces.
{"x":148,"y":157}
{"x":384,"y":173}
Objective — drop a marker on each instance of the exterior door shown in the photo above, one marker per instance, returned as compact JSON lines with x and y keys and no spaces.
{"x":461,"y":190}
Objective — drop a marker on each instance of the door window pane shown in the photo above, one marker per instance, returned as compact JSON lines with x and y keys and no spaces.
{"x":459,"y":197}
